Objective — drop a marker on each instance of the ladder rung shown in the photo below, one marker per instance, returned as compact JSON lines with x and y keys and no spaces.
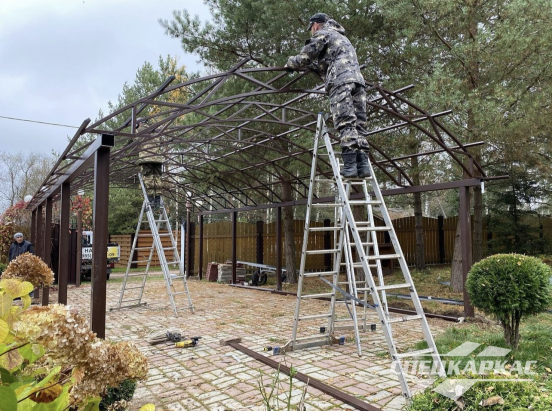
{"x":327,"y":205}
{"x":373,"y":228}
{"x":358,"y":265}
{"x":383,"y":256}
{"x":332,"y":251}
{"x":150,"y":235}
{"x":353,"y":244}
{"x":143,"y":248}
{"x":364,"y":202}
{"x":393,"y":286}
{"x":319,"y":273}
{"x":405,"y":318}
{"x":139,"y":261}
{"x":324,"y":228}
{"x":357,"y":181}
{"x":180,"y":293}
{"x":161,"y":221}
{"x":414,"y":353}
{"x":313,"y":317}
{"x":135,"y":274}
{"x":169,"y":248}
{"x":317,"y":295}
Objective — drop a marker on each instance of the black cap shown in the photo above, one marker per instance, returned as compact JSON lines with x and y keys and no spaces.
{"x":318,"y":18}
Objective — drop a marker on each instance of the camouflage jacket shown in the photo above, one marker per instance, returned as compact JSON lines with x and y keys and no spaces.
{"x":331,"y":54}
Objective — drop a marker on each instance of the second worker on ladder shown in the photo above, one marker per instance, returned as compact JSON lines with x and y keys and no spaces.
{"x":331,"y":54}
{"x":151,"y":161}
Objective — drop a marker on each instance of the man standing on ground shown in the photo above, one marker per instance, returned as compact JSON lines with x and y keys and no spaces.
{"x":19,"y":246}
{"x":332,"y":55}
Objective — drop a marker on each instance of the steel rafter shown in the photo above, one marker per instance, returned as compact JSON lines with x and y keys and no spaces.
{"x":255,"y":123}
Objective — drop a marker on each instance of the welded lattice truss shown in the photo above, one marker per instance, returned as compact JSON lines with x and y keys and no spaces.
{"x":230,"y":140}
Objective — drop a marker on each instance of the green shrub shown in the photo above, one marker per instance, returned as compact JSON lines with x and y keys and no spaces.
{"x":2,"y":268}
{"x":517,"y":396}
{"x":509,"y":287}
{"x":118,"y":396}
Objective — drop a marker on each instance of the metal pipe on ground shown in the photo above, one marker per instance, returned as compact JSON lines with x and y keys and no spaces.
{"x":312,"y":382}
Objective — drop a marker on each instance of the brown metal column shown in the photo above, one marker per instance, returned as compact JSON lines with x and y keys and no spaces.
{"x":201,"y":247}
{"x":279,"y":249}
{"x":465,"y":238}
{"x":39,"y":233}
{"x":39,"y":245}
{"x":33,"y":227}
{"x":99,"y":245}
{"x":78,"y":257}
{"x":64,"y":243}
{"x":188,"y":256}
{"x":260,"y":245}
{"x":234,"y":245}
{"x":47,"y":246}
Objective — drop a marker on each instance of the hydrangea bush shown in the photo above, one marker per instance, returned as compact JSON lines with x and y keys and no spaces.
{"x":49,"y":358}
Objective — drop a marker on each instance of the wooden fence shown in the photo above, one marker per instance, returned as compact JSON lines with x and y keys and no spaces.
{"x":439,"y":236}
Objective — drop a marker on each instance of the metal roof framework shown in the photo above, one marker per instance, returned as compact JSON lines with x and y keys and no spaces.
{"x":229,"y":140}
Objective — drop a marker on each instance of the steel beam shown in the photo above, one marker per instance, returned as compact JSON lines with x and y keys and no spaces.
{"x":200,"y":247}
{"x":99,"y":246}
{"x":234,"y":245}
{"x":64,"y":242}
{"x":279,"y":249}
{"x":47,"y":246}
{"x":465,"y":239}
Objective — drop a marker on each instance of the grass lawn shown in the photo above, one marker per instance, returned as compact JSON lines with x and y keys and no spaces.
{"x":535,"y":345}
{"x":427,"y":283}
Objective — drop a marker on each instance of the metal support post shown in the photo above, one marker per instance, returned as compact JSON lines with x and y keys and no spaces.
{"x":64,"y":243}
{"x":465,"y":238}
{"x":279,"y":249}
{"x":200,"y":247}
{"x":47,"y":246}
{"x":234,"y":246}
{"x":99,"y":246}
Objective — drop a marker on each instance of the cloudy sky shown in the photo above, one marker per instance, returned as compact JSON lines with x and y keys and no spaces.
{"x":63,"y":60}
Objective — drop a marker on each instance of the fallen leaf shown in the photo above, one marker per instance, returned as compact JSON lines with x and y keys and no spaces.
{"x":460,"y":403}
{"x":548,"y":369}
{"x":497,"y":399}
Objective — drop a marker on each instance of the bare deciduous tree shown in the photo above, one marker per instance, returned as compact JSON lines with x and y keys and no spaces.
{"x":21,"y":174}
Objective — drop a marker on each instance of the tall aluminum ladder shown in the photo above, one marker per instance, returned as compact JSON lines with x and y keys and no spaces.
{"x":360,"y":236}
{"x":131,"y":294}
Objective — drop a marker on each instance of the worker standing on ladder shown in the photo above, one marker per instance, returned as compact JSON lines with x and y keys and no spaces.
{"x":332,"y":55}
{"x":151,"y":166}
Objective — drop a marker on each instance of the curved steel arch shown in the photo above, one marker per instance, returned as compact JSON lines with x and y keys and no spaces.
{"x":255,"y":122}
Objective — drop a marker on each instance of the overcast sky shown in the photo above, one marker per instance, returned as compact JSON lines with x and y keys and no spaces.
{"x":63,"y":60}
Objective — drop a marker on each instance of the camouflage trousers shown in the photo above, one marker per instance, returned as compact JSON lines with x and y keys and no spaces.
{"x":348,"y":107}
{"x":152,"y":174}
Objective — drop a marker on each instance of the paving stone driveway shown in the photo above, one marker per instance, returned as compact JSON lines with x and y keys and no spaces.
{"x":214,"y":377}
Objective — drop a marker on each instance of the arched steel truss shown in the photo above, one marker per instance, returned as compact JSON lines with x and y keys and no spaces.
{"x":230,"y":139}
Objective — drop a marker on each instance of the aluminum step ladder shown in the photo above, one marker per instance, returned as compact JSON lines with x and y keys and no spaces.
{"x":357,"y":242}
{"x":169,"y":258}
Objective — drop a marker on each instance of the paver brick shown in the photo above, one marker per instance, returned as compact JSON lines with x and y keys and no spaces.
{"x":214,"y":377}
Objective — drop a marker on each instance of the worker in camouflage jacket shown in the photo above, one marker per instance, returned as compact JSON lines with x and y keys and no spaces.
{"x":150,"y":159}
{"x":332,"y":55}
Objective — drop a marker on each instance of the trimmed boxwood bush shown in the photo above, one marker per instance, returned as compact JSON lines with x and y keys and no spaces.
{"x":509,"y":287}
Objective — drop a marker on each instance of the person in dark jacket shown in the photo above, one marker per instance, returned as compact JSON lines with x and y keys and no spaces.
{"x":19,"y":246}
{"x":332,"y":55}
